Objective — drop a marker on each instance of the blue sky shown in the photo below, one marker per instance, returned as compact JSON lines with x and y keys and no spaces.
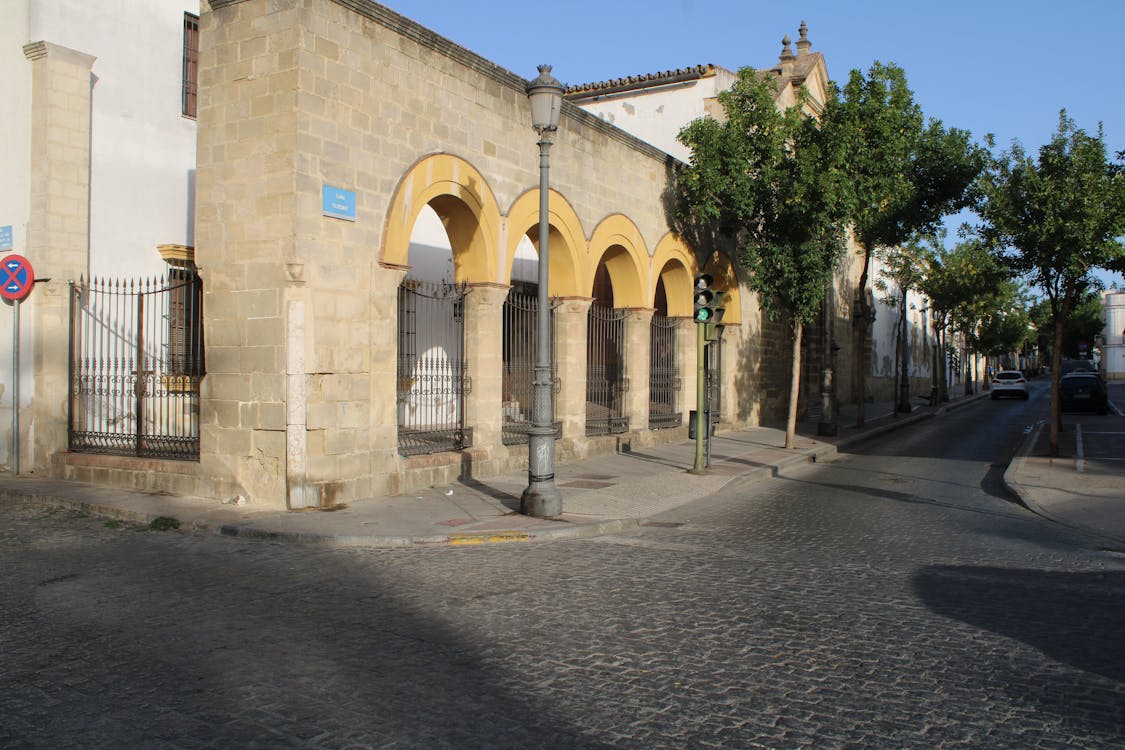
{"x":1004,"y":67}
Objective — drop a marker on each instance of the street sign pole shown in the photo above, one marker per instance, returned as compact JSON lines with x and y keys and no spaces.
{"x":16,"y":388}
{"x":16,"y":280}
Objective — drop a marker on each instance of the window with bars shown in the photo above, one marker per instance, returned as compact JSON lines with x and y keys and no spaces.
{"x":191,"y":64}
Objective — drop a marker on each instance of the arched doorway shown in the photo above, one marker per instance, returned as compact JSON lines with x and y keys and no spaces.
{"x":431,"y":382}
{"x":664,"y":371}
{"x":605,"y":358}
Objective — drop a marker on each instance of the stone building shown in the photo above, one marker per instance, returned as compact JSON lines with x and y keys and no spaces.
{"x":365,"y":218}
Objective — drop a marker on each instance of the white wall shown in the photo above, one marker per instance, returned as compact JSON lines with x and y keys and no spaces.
{"x":657,"y":115}
{"x":1113,"y":352}
{"x":142,"y":147}
{"x":15,"y":102}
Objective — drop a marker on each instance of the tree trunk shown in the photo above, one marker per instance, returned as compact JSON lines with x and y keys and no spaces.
{"x":863,"y":326}
{"x":895,"y":383}
{"x":1056,"y":376}
{"x":902,"y":395}
{"x":794,"y":386}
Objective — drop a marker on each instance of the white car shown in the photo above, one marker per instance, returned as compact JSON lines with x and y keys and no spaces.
{"x":1009,"y":383}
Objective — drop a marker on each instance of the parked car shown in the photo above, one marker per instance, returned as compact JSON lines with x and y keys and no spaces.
{"x":1083,"y":391}
{"x":1009,"y":383}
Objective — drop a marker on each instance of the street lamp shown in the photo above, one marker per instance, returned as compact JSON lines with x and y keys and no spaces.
{"x":542,"y":498}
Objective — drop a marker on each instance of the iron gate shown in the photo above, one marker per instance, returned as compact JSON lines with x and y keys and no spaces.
{"x":664,"y":374}
{"x":606,"y":383}
{"x":520,"y":342}
{"x":136,"y":360}
{"x":432,"y":382}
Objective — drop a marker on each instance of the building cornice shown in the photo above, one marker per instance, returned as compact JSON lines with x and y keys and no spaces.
{"x":39,"y":50}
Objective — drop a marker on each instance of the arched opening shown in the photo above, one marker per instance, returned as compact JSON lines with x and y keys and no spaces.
{"x":520,"y":343}
{"x":431,"y":381}
{"x":664,"y":370}
{"x":605,"y":354}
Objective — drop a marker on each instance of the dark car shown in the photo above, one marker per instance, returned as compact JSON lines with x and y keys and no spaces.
{"x":1083,"y":391}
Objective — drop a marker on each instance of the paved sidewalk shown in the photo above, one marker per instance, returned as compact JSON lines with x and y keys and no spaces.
{"x":600,"y":495}
{"x":1084,"y":486}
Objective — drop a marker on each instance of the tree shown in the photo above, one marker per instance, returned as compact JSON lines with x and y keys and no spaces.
{"x":903,"y":267}
{"x":1057,"y":218}
{"x":1006,"y":327}
{"x":1082,"y":325}
{"x":906,"y":174}
{"x":771,"y":179}
{"x":956,"y":281}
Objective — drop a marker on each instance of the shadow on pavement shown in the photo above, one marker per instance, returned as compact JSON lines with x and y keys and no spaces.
{"x":1074,"y":618}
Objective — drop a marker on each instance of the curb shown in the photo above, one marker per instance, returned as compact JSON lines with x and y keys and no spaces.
{"x":496,"y":536}
{"x":556,"y":530}
{"x":1008,"y":479}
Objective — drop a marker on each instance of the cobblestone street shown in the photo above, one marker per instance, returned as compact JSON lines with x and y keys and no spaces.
{"x":865,"y":602}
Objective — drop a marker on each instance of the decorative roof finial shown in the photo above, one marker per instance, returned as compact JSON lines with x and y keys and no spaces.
{"x":786,"y":51}
{"x":803,"y":44}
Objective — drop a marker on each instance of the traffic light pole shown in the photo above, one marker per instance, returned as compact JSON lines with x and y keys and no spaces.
{"x":702,"y":424}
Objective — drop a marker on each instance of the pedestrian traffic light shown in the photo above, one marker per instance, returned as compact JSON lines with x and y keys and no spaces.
{"x":708,"y":301}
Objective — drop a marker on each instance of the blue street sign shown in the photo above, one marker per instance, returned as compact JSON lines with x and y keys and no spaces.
{"x":338,"y":203}
{"x":6,"y":237}
{"x":16,"y":277}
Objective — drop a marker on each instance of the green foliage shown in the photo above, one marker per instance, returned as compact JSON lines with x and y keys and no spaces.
{"x":906,"y":174}
{"x":965,"y":285}
{"x":1084,"y":323}
{"x":1004,"y":324}
{"x":1057,"y":217}
{"x":164,"y":523}
{"x":774,"y":180}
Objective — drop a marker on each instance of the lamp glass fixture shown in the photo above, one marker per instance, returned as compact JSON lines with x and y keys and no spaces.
{"x":546,"y":95}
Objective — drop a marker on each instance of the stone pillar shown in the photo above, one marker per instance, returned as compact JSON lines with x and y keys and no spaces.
{"x":58,"y":232}
{"x":638,"y":332}
{"x":383,"y":385}
{"x":686,"y":350}
{"x":484,"y":353}
{"x":570,"y":348}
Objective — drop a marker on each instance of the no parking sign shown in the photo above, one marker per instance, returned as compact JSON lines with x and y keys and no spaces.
{"x":16,"y":277}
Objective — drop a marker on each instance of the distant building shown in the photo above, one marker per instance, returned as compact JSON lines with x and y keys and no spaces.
{"x":1113,"y":350}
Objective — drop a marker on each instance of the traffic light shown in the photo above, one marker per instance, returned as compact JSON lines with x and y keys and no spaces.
{"x":708,"y":301}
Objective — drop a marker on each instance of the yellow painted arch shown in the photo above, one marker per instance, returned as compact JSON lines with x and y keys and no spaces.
{"x":567,"y":241}
{"x":461,"y":196}
{"x":628,"y":267}
{"x":674,"y":264}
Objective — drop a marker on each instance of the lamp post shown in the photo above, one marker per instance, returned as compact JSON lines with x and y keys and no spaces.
{"x":542,"y":498}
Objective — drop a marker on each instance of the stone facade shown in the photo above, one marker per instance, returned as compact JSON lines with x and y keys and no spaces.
{"x":300,"y":308}
{"x":299,"y":403}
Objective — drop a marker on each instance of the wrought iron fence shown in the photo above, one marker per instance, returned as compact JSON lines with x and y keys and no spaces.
{"x":432,"y":381}
{"x":520,"y":341}
{"x":664,"y":374}
{"x":136,"y":361}
{"x":606,"y":383}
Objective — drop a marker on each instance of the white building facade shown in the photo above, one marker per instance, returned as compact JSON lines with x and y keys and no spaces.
{"x":97,"y":165}
{"x":1113,"y":350}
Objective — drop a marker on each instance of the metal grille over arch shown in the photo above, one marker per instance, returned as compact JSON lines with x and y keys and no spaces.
{"x":664,"y":374}
{"x":431,"y":377}
{"x":520,"y":341}
{"x":606,"y":383}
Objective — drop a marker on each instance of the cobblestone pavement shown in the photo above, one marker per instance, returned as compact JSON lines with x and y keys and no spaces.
{"x":890,"y":599}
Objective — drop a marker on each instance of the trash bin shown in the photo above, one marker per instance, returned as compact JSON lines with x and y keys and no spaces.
{"x":692,"y":420}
